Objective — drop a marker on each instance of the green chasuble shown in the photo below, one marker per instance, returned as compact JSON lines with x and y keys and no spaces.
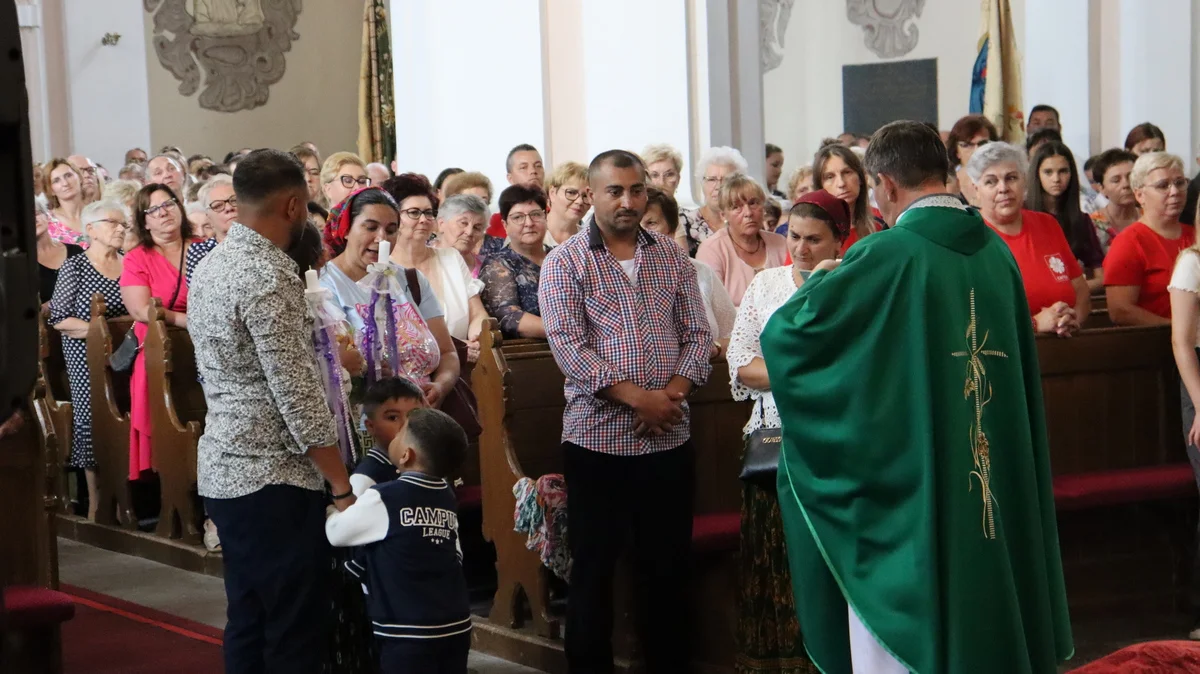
{"x":914,"y":479}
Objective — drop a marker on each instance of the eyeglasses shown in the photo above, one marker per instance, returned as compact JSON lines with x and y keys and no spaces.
{"x":518,"y":219}
{"x":351,"y":181}
{"x":220,"y":205}
{"x":316,"y":173}
{"x":572,"y":194}
{"x":162,"y":209}
{"x":1180,"y":184}
{"x":966,"y":144}
{"x":710,"y":180}
{"x":416,"y":213}
{"x":89,"y":170}
{"x":120,"y":224}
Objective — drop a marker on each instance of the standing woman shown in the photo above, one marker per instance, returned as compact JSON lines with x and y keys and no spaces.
{"x":342,"y":174}
{"x":51,"y":253}
{"x":768,"y":633}
{"x":160,"y":266}
{"x":64,"y":195}
{"x":715,"y":165}
{"x":567,"y":201}
{"x":96,"y":271}
{"x":741,"y":249}
{"x":1054,"y":188}
{"x":967,"y":135}
{"x":1144,"y":138}
{"x":1185,"y":342}
{"x":839,"y":171}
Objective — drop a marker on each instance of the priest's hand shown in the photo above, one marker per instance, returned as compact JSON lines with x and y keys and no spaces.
{"x":827,"y":265}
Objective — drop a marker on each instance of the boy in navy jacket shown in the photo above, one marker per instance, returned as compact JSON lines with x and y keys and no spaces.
{"x":411,"y":561}
{"x":386,"y":405}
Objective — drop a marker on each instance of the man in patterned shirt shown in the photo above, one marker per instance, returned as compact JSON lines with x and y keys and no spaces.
{"x":269,"y":442}
{"x":626,"y":324}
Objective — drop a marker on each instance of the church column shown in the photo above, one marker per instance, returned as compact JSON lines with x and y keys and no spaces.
{"x":1056,"y":68}
{"x":735,"y":82}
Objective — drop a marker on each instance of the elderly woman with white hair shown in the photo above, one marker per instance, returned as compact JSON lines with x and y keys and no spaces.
{"x":98,"y":270}
{"x":1137,"y":269}
{"x":220,"y":204}
{"x":715,"y":165}
{"x":125,"y":193}
{"x":1055,"y":287}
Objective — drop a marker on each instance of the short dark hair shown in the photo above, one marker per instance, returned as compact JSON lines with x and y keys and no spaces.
{"x":142,"y":202}
{"x":910,"y":153}
{"x":523,"y":147}
{"x":1042,"y":107}
{"x":520,"y":194}
{"x":1043,"y":136}
{"x":1108,"y":159}
{"x":1141,"y":132}
{"x":389,"y":388}
{"x":964,"y":130}
{"x":438,"y":439}
{"x":317,"y":209}
{"x":267,"y":172}
{"x":407,"y":185}
{"x":618,"y":158}
{"x":1088,"y":164}
{"x":667,"y":204}
{"x":772,"y":148}
{"x":204,"y":174}
{"x":446,"y":173}
{"x":306,"y":250}
{"x":772,"y":211}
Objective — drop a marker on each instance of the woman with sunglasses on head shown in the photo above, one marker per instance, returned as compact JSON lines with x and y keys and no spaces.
{"x":160,"y":266}
{"x":1138,"y":267}
{"x":568,"y":201}
{"x":342,"y":174}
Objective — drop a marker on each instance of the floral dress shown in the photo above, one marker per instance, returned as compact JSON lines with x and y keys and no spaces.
{"x":768,"y":632}
{"x":510,"y":288}
{"x":693,"y":229}
{"x":60,"y":231}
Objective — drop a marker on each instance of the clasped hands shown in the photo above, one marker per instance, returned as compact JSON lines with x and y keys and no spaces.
{"x":1059,"y":319}
{"x":657,"y":412}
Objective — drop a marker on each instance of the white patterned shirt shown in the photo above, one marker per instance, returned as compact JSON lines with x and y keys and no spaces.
{"x":253,"y":342}
{"x":769,"y":290}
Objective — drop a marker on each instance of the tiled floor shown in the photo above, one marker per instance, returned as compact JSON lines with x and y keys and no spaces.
{"x":181,"y":593}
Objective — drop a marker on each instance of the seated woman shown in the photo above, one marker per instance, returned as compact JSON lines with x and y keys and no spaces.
{"x":51,"y":253}
{"x":568,"y":201}
{"x":1054,"y":189}
{"x":662,"y":216}
{"x":1111,"y":170}
{"x":475,"y":184}
{"x":63,"y":187}
{"x":444,"y":268}
{"x":510,"y":276}
{"x":799,"y":184}
{"x":714,"y":166}
{"x":1144,"y":138}
{"x":342,"y":174}
{"x":838,"y":170}
{"x":124,"y":192}
{"x":355,"y":229}
{"x":966,"y":136}
{"x":465,"y":230}
{"x":741,"y":249}
{"x":161,"y":266}
{"x":96,"y":271}
{"x":766,"y":632}
{"x":1140,"y":261}
{"x":1058,"y":296}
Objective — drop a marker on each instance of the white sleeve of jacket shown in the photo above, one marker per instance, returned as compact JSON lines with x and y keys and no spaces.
{"x":364,"y":522}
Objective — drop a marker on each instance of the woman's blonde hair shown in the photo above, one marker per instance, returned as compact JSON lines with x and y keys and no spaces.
{"x":51,"y":198}
{"x":662,"y":152}
{"x":565,"y":173}
{"x":1149,"y":163}
{"x":737,"y":189}
{"x":124,"y":191}
{"x":461,"y":182}
{"x":800,"y":175}
{"x":335,"y":162}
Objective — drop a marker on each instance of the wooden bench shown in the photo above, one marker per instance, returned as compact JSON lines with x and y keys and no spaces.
{"x":177,"y":410}
{"x":110,"y":417}
{"x":521,"y":401}
{"x":54,"y":395}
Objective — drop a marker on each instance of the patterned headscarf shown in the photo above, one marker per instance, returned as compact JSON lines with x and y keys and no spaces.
{"x":337,"y":225}
{"x":838,"y":210}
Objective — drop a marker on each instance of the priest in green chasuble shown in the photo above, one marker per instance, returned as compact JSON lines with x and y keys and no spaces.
{"x":914,"y":479}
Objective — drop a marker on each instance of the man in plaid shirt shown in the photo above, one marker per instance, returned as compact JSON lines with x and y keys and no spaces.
{"x":626,"y":324}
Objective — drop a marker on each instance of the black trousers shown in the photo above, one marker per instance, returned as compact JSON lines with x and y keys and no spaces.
{"x":277,"y":562}
{"x":447,"y":655}
{"x":612,"y":501}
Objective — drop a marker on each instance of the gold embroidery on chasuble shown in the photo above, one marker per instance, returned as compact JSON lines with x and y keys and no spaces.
{"x":978,"y":391}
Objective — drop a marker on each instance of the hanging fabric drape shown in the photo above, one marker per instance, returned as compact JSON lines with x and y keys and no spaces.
{"x":996,"y":77}
{"x":376,"y":114}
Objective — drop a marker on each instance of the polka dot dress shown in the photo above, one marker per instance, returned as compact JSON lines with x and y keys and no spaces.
{"x":78,"y":281}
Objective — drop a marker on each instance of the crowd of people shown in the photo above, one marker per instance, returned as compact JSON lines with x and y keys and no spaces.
{"x":635,"y":292}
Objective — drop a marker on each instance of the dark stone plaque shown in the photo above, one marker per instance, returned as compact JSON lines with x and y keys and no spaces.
{"x":878,"y":93}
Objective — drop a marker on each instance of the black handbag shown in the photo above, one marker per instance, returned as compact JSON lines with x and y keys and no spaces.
{"x":760,"y":465}
{"x":122,"y":359}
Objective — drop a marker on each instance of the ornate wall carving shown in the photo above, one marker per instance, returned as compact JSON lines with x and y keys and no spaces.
{"x":889,"y":26}
{"x":238,"y":45}
{"x":773,"y":16}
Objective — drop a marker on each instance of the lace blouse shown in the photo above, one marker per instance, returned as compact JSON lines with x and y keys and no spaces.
{"x":769,"y":290}
{"x":718,"y":308}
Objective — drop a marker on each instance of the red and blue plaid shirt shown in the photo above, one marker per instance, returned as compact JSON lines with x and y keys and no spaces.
{"x":604,"y":330}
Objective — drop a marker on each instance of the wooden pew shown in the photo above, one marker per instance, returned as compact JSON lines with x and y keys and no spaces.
{"x":520,"y":391}
{"x":177,"y":411}
{"x":110,"y":417}
{"x":55,"y":394}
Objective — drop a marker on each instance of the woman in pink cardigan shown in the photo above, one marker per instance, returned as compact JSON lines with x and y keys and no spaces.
{"x":741,"y":249}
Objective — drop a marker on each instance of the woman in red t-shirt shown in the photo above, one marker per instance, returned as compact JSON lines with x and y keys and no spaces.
{"x":1140,"y":261}
{"x":1055,"y":287}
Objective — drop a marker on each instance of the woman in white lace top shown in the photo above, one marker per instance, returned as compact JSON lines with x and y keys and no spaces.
{"x":768,"y":635}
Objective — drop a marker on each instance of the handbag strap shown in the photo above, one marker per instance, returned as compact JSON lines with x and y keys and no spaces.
{"x":414,"y":285}
{"x":178,"y":281}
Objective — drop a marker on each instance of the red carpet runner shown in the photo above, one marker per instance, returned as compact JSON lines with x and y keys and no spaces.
{"x":112,"y":636}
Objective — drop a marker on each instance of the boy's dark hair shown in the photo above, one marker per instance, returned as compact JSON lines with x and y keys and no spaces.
{"x":1043,"y":136}
{"x":392,"y":388}
{"x":439,"y":440}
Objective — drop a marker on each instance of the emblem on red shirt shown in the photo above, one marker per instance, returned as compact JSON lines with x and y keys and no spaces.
{"x":1057,"y":266}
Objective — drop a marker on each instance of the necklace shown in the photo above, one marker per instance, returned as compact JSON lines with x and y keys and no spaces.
{"x":747,"y":252}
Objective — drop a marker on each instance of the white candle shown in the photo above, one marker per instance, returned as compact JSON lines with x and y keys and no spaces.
{"x":310,"y":280}
{"x":385,"y":251}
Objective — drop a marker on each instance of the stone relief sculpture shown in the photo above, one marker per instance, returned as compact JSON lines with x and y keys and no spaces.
{"x":238,"y":45}
{"x":889,"y":26}
{"x":773,"y":16}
